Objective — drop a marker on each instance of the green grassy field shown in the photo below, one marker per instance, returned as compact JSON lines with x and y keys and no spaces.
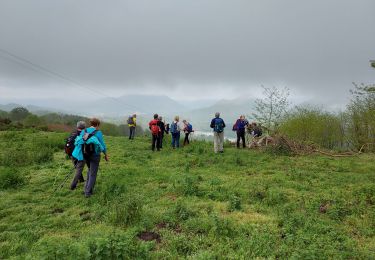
{"x":195,"y":204}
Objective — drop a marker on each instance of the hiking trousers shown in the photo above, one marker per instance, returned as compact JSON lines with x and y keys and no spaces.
{"x":176,"y":140}
{"x":131,"y":132}
{"x":241,"y":136}
{"x":161,"y":137}
{"x":186,"y":140}
{"x":78,"y":177}
{"x":93,"y":164}
{"x":218,"y":142}
{"x":155,"y":142}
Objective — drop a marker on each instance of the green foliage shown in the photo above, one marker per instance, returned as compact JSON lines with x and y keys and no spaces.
{"x":257,"y":207}
{"x":234,"y":202}
{"x":361,"y":116}
{"x":18,"y":113}
{"x":272,"y":107}
{"x":127,"y":210}
{"x":11,"y":178}
{"x":311,"y":125}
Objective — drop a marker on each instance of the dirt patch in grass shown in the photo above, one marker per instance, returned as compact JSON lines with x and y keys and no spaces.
{"x":149,"y":236}
{"x":57,"y":211}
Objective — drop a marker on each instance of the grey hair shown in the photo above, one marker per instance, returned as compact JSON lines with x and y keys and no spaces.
{"x":81,"y":124}
{"x":217,"y":114}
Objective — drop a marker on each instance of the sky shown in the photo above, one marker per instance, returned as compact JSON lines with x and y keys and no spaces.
{"x":206,"y":49}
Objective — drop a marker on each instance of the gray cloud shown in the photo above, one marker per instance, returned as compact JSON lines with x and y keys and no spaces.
{"x":316,"y":48}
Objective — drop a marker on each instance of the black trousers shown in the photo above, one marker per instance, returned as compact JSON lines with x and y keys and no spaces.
{"x":161,"y":137}
{"x":186,"y":140}
{"x":155,"y":142}
{"x":241,"y":135}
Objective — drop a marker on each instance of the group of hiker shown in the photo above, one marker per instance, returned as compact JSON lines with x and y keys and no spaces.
{"x":85,"y":145}
{"x":158,"y":128}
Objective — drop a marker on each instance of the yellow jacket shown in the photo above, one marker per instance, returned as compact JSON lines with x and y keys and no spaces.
{"x":134,"y":122}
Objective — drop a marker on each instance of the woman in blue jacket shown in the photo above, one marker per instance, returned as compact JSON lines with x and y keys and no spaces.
{"x":88,"y":147}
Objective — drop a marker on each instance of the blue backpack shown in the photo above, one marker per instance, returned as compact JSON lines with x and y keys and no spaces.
{"x":173,"y":128}
{"x":219,"y":125}
{"x":189,"y":128}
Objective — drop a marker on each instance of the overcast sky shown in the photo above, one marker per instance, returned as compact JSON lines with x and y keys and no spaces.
{"x":194,"y":49}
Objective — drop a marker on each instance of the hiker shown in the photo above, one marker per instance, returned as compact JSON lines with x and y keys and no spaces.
{"x":154,"y":126}
{"x":69,"y":148}
{"x":162,"y":131}
{"x":89,"y":145}
{"x":132,"y":123}
{"x":240,"y":128}
{"x":188,"y":128}
{"x":218,"y":125}
{"x":175,"y":132}
{"x":256,"y":130}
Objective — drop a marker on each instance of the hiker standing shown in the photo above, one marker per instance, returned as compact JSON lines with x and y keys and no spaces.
{"x":154,"y":126}
{"x":188,"y":128}
{"x":132,"y":123}
{"x":218,"y":125}
{"x":69,"y":148}
{"x":240,"y":128}
{"x":162,"y":131}
{"x":175,"y":130}
{"x":89,"y":145}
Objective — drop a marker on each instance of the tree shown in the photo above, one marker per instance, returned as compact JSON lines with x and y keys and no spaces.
{"x":19,"y":113}
{"x":361,"y":114}
{"x":271,"y":108}
{"x":33,"y":120}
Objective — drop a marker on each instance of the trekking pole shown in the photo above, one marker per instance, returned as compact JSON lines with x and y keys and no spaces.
{"x":64,"y":181}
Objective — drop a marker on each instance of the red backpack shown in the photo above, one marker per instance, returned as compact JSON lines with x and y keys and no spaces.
{"x":155,"y":129}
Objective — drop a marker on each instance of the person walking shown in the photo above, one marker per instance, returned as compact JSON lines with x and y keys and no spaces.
{"x":188,"y":128}
{"x":132,"y":123}
{"x":218,"y":125}
{"x":78,"y":164}
{"x":175,"y":130}
{"x":89,"y":145}
{"x":154,"y":126}
{"x":240,"y":128}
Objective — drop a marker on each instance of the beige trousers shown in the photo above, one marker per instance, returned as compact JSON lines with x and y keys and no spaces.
{"x":218,"y":142}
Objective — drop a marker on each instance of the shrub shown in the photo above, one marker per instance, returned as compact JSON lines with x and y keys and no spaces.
{"x":11,"y":178}
{"x":126,"y":211}
{"x":234,"y":202}
{"x":118,"y":246}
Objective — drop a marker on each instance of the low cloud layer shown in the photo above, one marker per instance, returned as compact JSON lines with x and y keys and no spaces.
{"x":187,"y":49}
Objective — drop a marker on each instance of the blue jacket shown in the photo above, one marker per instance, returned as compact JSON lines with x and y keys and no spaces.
{"x":97,"y":140}
{"x":241,"y":124}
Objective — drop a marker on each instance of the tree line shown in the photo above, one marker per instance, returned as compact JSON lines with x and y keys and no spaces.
{"x":20,"y":118}
{"x":351,"y":129}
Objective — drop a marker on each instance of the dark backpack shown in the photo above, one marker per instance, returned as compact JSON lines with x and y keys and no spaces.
{"x":130,"y":120}
{"x":258,"y":131}
{"x":219,"y":125}
{"x":69,"y":143}
{"x":88,"y":149}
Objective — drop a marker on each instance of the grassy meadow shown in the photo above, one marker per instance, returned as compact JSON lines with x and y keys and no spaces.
{"x":186,"y":203}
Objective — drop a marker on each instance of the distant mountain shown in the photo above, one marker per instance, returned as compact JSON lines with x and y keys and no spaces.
{"x":141,"y":104}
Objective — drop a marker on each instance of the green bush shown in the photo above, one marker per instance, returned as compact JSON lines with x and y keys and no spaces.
{"x":234,"y":202}
{"x":126,"y":211}
{"x":308,"y":124}
{"x":11,"y":178}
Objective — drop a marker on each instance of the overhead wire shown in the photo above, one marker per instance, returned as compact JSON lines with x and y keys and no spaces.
{"x":34,"y":66}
